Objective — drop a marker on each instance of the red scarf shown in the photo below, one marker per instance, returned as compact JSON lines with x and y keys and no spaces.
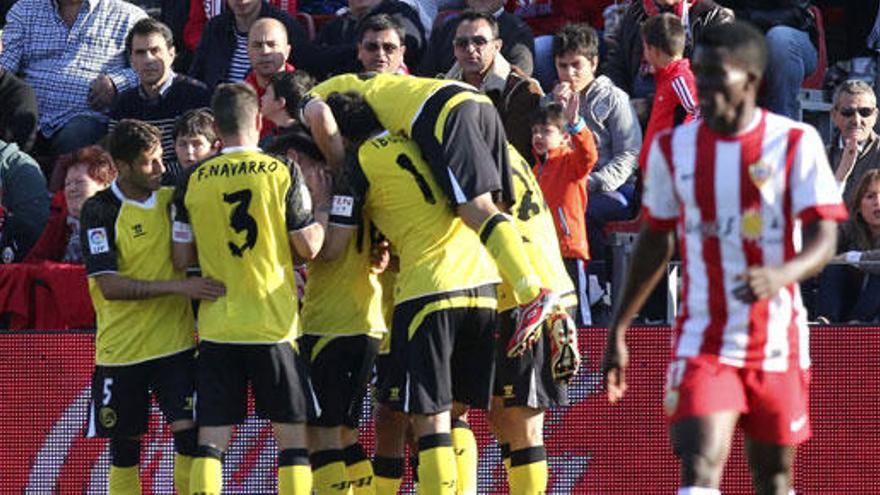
{"x":680,"y":9}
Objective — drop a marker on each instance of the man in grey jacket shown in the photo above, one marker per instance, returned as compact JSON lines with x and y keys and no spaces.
{"x":608,"y":113}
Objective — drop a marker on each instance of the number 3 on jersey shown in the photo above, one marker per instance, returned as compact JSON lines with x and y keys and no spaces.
{"x":241,"y":221}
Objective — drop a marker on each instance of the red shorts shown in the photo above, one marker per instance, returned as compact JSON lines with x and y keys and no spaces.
{"x":774,"y":405}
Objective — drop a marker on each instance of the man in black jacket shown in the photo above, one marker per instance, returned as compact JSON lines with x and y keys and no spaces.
{"x":222,"y":52}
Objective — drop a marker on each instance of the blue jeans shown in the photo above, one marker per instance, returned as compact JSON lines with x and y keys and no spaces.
{"x":603,"y":208}
{"x":847,"y":294}
{"x":791,"y":58}
{"x":78,"y":132}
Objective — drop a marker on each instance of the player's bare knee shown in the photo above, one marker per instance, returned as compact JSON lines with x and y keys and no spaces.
{"x":216,"y":437}
{"x":429,"y":424}
{"x":290,"y":435}
{"x":700,"y":469}
{"x":476,"y":211}
{"x":459,"y":411}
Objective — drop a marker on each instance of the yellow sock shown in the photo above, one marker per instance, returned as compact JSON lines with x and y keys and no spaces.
{"x":505,"y":457}
{"x":388,"y":473}
{"x":182,"y":466}
{"x":295,"y":480}
{"x":206,"y":473}
{"x":464,"y":445}
{"x":124,"y":480}
{"x":528,"y":471}
{"x":359,"y":470}
{"x":505,"y":245}
{"x":437,"y":471}
{"x":328,"y":471}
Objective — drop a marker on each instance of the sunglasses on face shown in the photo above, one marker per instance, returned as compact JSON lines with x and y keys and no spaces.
{"x":465,"y":41}
{"x":865,"y":112}
{"x":372,"y":46}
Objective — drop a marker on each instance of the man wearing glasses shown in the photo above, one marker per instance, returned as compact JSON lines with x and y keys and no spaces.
{"x":380,"y":45}
{"x":856,"y":150}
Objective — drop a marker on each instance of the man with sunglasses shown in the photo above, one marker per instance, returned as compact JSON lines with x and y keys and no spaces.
{"x":380,"y":45}
{"x":856,"y":149}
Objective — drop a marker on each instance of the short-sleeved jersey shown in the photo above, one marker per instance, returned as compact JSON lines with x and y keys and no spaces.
{"x":344,"y":296}
{"x":535,"y":223}
{"x":390,"y":182}
{"x":131,"y":239}
{"x":397,"y":99}
{"x":738,"y":202}
{"x":240,"y":206}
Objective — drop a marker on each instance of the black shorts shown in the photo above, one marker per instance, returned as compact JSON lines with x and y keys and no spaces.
{"x":442,"y":349}
{"x":472,"y":157}
{"x":577,"y":272}
{"x":275,"y":372}
{"x":526,"y":381}
{"x":339,"y":368}
{"x":120,"y":404}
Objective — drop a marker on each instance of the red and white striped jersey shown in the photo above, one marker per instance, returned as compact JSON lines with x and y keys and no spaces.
{"x":737,"y":202}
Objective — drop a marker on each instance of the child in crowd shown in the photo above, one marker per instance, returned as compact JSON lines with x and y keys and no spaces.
{"x":195,"y":138}
{"x":675,"y":100}
{"x":565,"y":153}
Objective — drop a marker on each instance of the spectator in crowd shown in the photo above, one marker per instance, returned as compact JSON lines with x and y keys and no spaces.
{"x":195,"y":137}
{"x":222,"y":54}
{"x":18,"y":122}
{"x":268,"y":51}
{"x":87,"y":171}
{"x":518,"y":44}
{"x":565,"y":152}
{"x":43,"y":40}
{"x":852,"y":293}
{"x":200,"y":11}
{"x":161,"y":95}
{"x":675,"y":102}
{"x":24,"y":201}
{"x":278,"y":103}
{"x":380,"y":45}
{"x":478,"y":62}
{"x":857,"y":149}
{"x":339,"y":37}
{"x":625,"y":63}
{"x":609,"y":115}
{"x":788,"y":26}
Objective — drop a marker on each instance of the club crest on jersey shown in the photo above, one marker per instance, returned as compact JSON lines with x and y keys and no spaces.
{"x":107,"y":417}
{"x":759,"y":173}
{"x":752,"y":225}
{"x":98,"y":242}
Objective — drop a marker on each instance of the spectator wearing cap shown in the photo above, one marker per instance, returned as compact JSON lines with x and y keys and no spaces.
{"x":478,"y":62}
{"x":268,"y":51}
{"x":161,"y":95}
{"x":44,"y":39}
{"x":857,"y":147}
{"x":380,"y":45}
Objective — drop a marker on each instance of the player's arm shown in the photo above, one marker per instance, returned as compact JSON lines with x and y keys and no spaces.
{"x":183,"y":243}
{"x":346,"y":209}
{"x":116,"y":287}
{"x":306,"y":216}
{"x":318,"y":117}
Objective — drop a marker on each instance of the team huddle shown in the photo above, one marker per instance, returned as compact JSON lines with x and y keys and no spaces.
{"x":424,"y":233}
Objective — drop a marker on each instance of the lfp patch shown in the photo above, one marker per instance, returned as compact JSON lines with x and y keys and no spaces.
{"x":98,"y":242}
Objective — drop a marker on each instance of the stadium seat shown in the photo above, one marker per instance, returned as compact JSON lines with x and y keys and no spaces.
{"x":816,"y":80}
{"x":308,"y":23}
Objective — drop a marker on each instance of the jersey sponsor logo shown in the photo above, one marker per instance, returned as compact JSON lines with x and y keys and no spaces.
{"x":231,"y":169}
{"x":98,"y":242}
{"x":752,"y":225}
{"x":343,"y":206}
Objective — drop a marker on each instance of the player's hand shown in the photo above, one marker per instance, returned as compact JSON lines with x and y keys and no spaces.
{"x":380,"y":256}
{"x":101,"y":93}
{"x":760,"y":282}
{"x":319,"y":181}
{"x":614,"y":366}
{"x":202,"y":288}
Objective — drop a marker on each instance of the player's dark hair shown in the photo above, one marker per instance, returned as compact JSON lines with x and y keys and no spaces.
{"x":579,"y":39}
{"x":235,"y":108}
{"x":131,"y":138}
{"x":297,"y":138}
{"x":380,"y":22}
{"x":291,"y":86}
{"x":665,"y":33}
{"x":146,"y":27}
{"x":356,"y":120}
{"x":742,"y":42}
{"x":550,"y":114}
{"x":196,"y":122}
{"x":473,"y":15}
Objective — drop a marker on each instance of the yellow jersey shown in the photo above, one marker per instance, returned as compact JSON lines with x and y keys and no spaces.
{"x":131,"y":239}
{"x":389,"y":182}
{"x":343,"y":296}
{"x":240,"y":207}
{"x":534,"y":220}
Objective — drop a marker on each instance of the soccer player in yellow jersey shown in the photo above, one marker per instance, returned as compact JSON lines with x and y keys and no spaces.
{"x":442,"y":340}
{"x":526,"y":385}
{"x":146,"y":333}
{"x":342,"y":322}
{"x":243,"y":215}
{"x":462,"y":138}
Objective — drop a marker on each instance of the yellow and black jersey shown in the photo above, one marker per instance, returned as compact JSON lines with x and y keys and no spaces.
{"x":238,"y":207}
{"x":388,"y":181}
{"x":343,"y":297}
{"x":535,"y":222}
{"x":131,"y":239}
{"x":398,"y":100}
